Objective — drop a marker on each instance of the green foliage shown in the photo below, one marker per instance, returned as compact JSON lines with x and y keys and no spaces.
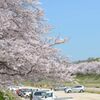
{"x":8,"y":95}
{"x":1,"y":95}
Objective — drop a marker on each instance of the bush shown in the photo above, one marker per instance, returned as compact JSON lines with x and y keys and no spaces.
{"x":9,"y":95}
{"x":1,"y":95}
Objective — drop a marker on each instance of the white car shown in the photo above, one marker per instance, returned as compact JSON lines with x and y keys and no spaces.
{"x":68,"y":90}
{"x":60,"y":88}
{"x":28,"y":92}
{"x":75,"y":89}
{"x":44,"y":95}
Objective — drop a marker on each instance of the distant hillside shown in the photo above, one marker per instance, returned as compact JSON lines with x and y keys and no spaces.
{"x":91,"y":59}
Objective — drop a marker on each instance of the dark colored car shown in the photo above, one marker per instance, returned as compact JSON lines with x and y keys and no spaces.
{"x":20,"y":92}
{"x":24,"y":92}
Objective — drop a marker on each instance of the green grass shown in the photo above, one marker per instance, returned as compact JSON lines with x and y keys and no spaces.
{"x":88,"y":80}
{"x":92,"y":91}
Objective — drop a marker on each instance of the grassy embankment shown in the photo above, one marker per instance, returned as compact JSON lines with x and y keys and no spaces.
{"x":90,"y":81}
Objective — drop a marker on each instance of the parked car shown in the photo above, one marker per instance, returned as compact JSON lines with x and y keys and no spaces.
{"x":75,"y":89}
{"x":24,"y":92}
{"x":68,"y":90}
{"x":60,"y":88}
{"x":39,"y":93}
{"x":13,"y":88}
{"x":20,"y":92}
{"x":44,"y":95}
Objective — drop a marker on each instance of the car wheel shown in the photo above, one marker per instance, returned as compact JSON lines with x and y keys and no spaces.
{"x":69,"y":91}
{"x":27,"y":96}
{"x":81,"y":91}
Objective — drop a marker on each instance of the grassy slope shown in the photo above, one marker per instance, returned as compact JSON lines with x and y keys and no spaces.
{"x":89,"y":80}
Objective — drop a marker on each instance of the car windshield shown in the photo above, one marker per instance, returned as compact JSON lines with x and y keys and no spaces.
{"x":67,"y":87}
{"x":39,"y":93}
{"x":77,"y":86}
{"x":49,"y":94}
{"x":26,"y":90}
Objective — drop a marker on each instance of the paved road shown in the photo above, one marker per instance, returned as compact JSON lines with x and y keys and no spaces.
{"x":76,"y":96}
{"x":25,"y":99}
{"x":79,"y":96}
{"x":93,"y":89}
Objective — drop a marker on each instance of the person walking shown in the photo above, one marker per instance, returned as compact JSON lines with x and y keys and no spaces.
{"x":31,"y":95}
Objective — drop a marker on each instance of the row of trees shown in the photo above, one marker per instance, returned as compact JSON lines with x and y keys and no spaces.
{"x":85,"y":68}
{"x":24,"y":53}
{"x":90,"y":59}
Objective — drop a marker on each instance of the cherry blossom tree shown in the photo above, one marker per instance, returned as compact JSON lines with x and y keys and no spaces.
{"x":24,"y":53}
{"x":85,"y":68}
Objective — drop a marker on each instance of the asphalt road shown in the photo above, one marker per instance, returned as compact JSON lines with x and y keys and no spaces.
{"x":75,"y":96}
{"x":79,"y":96}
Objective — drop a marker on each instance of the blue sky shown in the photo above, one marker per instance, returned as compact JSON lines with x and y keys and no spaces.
{"x":79,"y":20}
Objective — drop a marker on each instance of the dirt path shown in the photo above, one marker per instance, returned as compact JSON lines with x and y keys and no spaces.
{"x":79,"y":96}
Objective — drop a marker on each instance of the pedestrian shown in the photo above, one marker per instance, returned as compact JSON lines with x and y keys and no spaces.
{"x":31,"y":96}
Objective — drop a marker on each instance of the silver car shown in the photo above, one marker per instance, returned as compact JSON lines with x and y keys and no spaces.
{"x":44,"y":95}
{"x":60,"y":88}
{"x":75,"y":89}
